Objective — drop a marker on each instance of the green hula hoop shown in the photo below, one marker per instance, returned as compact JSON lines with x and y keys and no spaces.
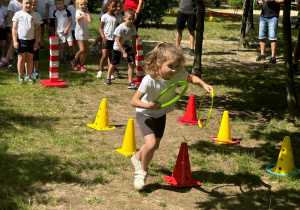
{"x":211,"y":106}
{"x":177,"y":97}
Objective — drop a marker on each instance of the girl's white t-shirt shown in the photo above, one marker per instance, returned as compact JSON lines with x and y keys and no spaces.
{"x":82,"y":26}
{"x":14,"y":6}
{"x":110,"y":24}
{"x":152,"y":88}
{"x":41,"y":8}
{"x":26,"y":24}
{"x":52,"y":7}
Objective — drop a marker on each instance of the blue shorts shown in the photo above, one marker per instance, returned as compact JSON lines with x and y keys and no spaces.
{"x":25,"y":46}
{"x":268,"y":25}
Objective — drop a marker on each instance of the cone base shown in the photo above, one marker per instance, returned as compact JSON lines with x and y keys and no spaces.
{"x":101,"y":129}
{"x":219,"y":141}
{"x":190,"y":183}
{"x":122,"y":152}
{"x":269,"y":170}
{"x":47,"y":83}
{"x":191,"y":122}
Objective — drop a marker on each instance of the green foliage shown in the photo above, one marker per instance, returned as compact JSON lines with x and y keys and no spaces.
{"x":154,"y":10}
{"x":236,"y":4}
{"x":94,"y":5}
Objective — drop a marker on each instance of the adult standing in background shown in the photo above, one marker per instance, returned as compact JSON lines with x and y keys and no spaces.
{"x":136,"y":6}
{"x":187,"y":13}
{"x":268,"y":24}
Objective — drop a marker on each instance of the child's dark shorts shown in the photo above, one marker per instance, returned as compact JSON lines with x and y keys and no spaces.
{"x":3,"y":34}
{"x":73,"y":34}
{"x":36,"y":55}
{"x":26,"y":46}
{"x":52,"y":22}
{"x":151,"y":125}
{"x":116,"y":56}
{"x":109,"y":44}
{"x":8,"y":30}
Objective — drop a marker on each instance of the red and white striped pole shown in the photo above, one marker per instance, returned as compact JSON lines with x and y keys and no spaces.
{"x":139,"y":61}
{"x":54,"y":64}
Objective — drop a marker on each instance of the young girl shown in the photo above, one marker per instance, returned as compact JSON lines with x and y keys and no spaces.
{"x":107,"y":27}
{"x":163,"y":68}
{"x":83,"y":18}
{"x":72,"y":9}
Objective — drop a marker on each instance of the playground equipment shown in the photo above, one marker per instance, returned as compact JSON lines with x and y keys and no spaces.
{"x":201,"y":124}
{"x":177,"y":97}
{"x":102,"y":122}
{"x":190,"y":113}
{"x":224,"y":136}
{"x":213,"y":13}
{"x":285,"y":164}
{"x":129,"y":145}
{"x":54,"y":64}
{"x":139,"y":62}
{"x":182,"y":176}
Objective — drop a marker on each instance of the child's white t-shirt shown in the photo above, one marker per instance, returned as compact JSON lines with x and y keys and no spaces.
{"x":82,"y":27}
{"x":4,"y":11}
{"x":62,"y":19}
{"x":2,"y":16}
{"x":38,"y":18}
{"x":41,"y":8}
{"x":152,"y":88}
{"x":110,"y":24}
{"x":125,"y":33}
{"x":26,"y":24}
{"x":14,"y":6}
{"x":72,"y":9}
{"x":52,"y":7}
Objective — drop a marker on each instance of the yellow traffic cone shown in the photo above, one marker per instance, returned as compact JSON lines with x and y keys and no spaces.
{"x":129,"y":145}
{"x":285,"y":164}
{"x":101,"y":122}
{"x":224,"y":136}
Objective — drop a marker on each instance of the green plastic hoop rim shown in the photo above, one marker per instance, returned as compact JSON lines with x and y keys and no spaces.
{"x":211,"y":106}
{"x":177,"y":97}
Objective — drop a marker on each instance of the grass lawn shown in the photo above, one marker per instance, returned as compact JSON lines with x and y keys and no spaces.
{"x":50,"y":159}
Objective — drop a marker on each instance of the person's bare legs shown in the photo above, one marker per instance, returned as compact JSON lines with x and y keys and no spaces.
{"x":21,"y":62}
{"x":84,"y":50}
{"x":263,"y":46}
{"x":80,"y":51}
{"x":273,"y":48}
{"x":178,"y":37}
{"x":192,"y":39}
{"x":130,"y":72}
{"x":105,"y":53}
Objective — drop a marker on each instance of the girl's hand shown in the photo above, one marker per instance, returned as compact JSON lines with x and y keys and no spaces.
{"x":104,"y":41}
{"x":155,"y":106}
{"x":208,"y":88}
{"x":16,"y":45}
{"x":56,"y":33}
{"x":65,"y":32}
{"x":36,"y":46}
{"x":125,"y":55}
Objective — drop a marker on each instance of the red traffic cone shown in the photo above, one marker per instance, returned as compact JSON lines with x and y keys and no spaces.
{"x":182,"y":176}
{"x":190,"y":116}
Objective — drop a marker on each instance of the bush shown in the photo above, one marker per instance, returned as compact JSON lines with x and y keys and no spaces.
{"x":154,"y":10}
{"x":94,"y":5}
{"x":236,"y":4}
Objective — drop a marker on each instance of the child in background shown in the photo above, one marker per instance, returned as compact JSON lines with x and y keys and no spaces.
{"x":63,"y":22}
{"x":36,"y":52}
{"x":26,"y":34}
{"x":41,"y":9}
{"x":83,"y":18}
{"x":7,"y":30}
{"x":72,"y":9}
{"x":3,"y":15}
{"x":124,"y":44}
{"x":13,"y":7}
{"x":50,"y":8}
{"x":163,"y":67}
{"x":107,"y":27}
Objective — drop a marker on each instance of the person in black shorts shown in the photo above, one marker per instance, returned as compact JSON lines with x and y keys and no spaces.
{"x":186,"y":13}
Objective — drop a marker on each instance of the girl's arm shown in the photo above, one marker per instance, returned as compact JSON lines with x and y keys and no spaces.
{"x":37,"y":31}
{"x":47,"y":13}
{"x":69,"y":25}
{"x":133,"y":39}
{"x":10,"y":15}
{"x":101,"y":26}
{"x":197,"y":81}
{"x":89,"y":17}
{"x":121,"y":47}
{"x":136,"y":102}
{"x":15,"y":34}
{"x":139,"y":9}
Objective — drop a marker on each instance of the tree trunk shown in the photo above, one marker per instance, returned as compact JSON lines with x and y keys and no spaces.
{"x":292,"y":102}
{"x":250,"y":25}
{"x":244,"y":21}
{"x":197,"y":66}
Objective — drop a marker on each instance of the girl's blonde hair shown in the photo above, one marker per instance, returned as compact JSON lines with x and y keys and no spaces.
{"x":77,"y":3}
{"x":163,"y":51}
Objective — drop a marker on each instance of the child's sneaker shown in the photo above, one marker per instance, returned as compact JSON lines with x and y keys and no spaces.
{"x":112,"y":77}
{"x":192,"y":52}
{"x":99,"y":74}
{"x":136,"y":163}
{"x":272,"y":60}
{"x":20,"y":80}
{"x":107,"y":82}
{"x":35,"y":74}
{"x":261,"y":57}
{"x":3,"y":64}
{"x":140,"y":179}
{"x":131,"y":85}
{"x":74,"y":65}
{"x":82,"y":68}
{"x":30,"y":80}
